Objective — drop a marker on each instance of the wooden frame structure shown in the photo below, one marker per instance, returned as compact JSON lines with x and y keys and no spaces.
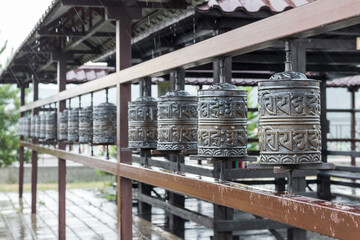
{"x":327,"y":218}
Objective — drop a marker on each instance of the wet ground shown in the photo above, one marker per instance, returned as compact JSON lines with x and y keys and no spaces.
{"x":90,"y":216}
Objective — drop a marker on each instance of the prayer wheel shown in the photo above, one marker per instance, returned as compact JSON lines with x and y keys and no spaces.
{"x":143,"y":123}
{"x":85,"y":125}
{"x":51,"y":126}
{"x":32,"y":126}
{"x":177,"y":121}
{"x":63,"y":135}
{"x":222,"y":117}
{"x":19,"y":129}
{"x":73,"y":125}
{"x":27,"y":126}
{"x":42,"y":126}
{"x":104,"y":124}
{"x":37,"y":126}
{"x":289,"y":119}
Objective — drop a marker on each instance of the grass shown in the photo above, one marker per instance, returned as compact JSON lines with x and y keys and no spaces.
{"x":54,"y":186}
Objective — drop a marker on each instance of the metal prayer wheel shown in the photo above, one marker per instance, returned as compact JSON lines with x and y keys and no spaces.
{"x":63,"y":134}
{"x":42,"y":126}
{"x":85,"y":125}
{"x":27,"y":126}
{"x":50,"y":126}
{"x":222,"y":116}
{"x":32,"y":126}
{"x":143,"y":123}
{"x":289,"y":119}
{"x":37,"y":126}
{"x":73,"y":125}
{"x":104,"y":123}
{"x":177,"y":121}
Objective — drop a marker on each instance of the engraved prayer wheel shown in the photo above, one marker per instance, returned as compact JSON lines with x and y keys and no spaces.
{"x":177,"y":121}
{"x":104,"y":124}
{"x":32,"y":126}
{"x":143,"y":123}
{"x":20,"y":127}
{"x":63,"y":134}
{"x":222,"y":116}
{"x":42,"y":126}
{"x":85,"y":125}
{"x":73,"y":125}
{"x":27,"y":126}
{"x":50,"y":126}
{"x":37,"y":126}
{"x":289,"y":119}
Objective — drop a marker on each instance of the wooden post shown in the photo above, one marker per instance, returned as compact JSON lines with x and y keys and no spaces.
{"x":221,"y":212}
{"x":34,"y":154}
{"x":323,"y":188}
{"x":299,"y":65}
{"x":124,"y":185}
{"x":61,"y":79}
{"x":21,"y":150}
{"x":353,"y":124}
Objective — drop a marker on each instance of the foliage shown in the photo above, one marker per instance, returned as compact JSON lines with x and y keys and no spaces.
{"x":9,"y":142}
{"x":2,"y":49}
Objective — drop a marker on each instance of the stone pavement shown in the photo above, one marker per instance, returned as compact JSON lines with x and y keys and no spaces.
{"x":88,"y":216}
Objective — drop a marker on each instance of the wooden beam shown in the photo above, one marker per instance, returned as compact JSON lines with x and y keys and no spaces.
{"x":34,"y":154}
{"x":298,"y":211}
{"x":21,"y":150}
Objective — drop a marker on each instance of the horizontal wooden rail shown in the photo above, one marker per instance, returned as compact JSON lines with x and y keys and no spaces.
{"x":300,"y":22}
{"x":331,"y":219}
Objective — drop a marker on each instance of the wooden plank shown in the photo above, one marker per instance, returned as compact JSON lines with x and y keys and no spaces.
{"x":124,"y":185}
{"x":302,"y":212}
{"x":304,"y":21}
{"x":34,"y":154}
{"x":61,"y":78}
{"x":21,"y":149}
{"x":249,"y":224}
{"x":109,"y":166}
{"x":184,"y":213}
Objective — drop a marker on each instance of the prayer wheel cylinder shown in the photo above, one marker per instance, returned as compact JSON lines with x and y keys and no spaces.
{"x":289,"y":120}
{"x":73,"y":125}
{"x":63,"y":135}
{"x":42,"y":126}
{"x":222,"y":117}
{"x":177,"y":121}
{"x":143,"y":123}
{"x":104,"y":124}
{"x":85,"y":125}
{"x":20,"y":127}
{"x":51,"y":125}
{"x":37,"y":126}
{"x":27,"y":126}
{"x":32,"y":126}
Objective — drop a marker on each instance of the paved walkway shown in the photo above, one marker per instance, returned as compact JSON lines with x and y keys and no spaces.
{"x":88,"y":216}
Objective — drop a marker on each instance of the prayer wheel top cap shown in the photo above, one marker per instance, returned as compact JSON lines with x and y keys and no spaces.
{"x":221,"y":86}
{"x":289,"y":75}
{"x":145,"y":99}
{"x":105,"y":104}
{"x":176,"y":93}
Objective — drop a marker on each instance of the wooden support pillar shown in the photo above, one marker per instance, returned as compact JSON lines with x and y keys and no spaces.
{"x":299,"y":65}
{"x":124,"y":185}
{"x":61,"y":79}
{"x":353,"y":124}
{"x":34,"y":154}
{"x":21,"y":150}
{"x":323,"y":187}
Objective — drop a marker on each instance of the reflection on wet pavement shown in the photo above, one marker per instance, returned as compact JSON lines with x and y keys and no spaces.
{"x":88,"y":216}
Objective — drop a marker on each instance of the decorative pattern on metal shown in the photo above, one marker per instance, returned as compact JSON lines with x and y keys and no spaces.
{"x":222,"y":114}
{"x":51,"y":126}
{"x":143,"y":123}
{"x":32,"y":126}
{"x":42,"y":126}
{"x":73,"y":125}
{"x":63,"y":135}
{"x":289,"y":120}
{"x":85,"y":125}
{"x":104,"y":124}
{"x":177,"y":121}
